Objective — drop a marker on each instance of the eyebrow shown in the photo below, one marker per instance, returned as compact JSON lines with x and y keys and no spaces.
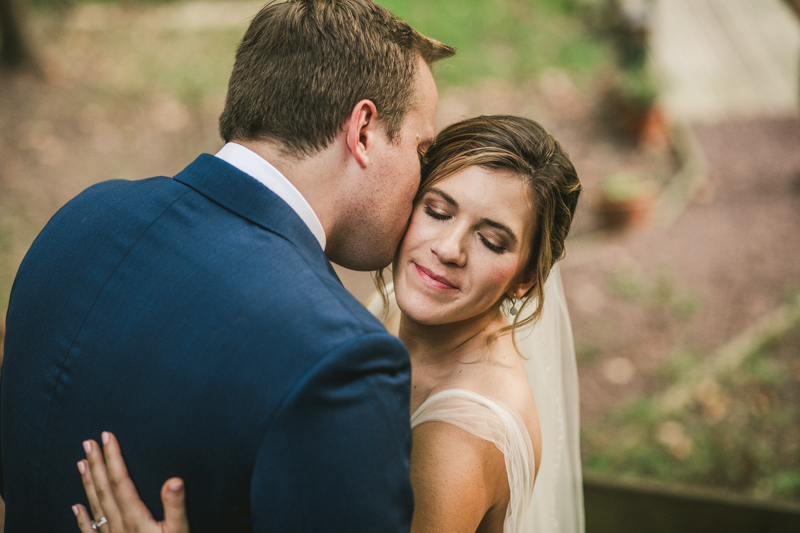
{"x":501,"y":227}
{"x":488,"y":221}
{"x":446,"y":197}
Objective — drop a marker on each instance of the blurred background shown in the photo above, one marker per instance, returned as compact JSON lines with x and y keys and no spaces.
{"x":682,"y":118}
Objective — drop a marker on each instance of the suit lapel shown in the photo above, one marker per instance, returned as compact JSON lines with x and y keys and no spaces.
{"x":241,"y":194}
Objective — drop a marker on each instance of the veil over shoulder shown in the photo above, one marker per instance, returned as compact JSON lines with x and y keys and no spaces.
{"x":549,"y":352}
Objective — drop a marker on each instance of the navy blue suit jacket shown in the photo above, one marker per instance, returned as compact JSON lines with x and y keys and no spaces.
{"x":199,"y":320}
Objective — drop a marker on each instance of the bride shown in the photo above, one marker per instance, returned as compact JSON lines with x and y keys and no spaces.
{"x":478,"y":304}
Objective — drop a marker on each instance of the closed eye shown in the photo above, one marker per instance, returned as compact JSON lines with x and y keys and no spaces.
{"x":434,"y":214}
{"x":493,"y":247}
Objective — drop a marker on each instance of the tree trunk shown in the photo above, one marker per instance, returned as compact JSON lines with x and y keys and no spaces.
{"x":14,"y":50}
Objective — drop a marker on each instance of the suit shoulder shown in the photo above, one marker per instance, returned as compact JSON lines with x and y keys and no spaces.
{"x":308,"y":294}
{"x":118,"y":189}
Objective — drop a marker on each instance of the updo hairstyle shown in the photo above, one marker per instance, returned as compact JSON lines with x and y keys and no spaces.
{"x":524,"y":148}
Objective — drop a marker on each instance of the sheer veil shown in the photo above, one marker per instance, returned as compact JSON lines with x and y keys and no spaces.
{"x":549,"y":352}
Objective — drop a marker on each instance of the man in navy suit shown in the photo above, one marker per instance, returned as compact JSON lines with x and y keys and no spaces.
{"x":198,"y":317}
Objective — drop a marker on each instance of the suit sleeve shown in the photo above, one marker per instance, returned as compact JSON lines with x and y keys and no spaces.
{"x":336,"y":456}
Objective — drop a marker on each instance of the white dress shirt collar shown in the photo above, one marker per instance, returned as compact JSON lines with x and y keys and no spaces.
{"x":257,"y":167}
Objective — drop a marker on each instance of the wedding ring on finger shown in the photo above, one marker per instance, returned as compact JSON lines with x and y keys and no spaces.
{"x":98,"y":523}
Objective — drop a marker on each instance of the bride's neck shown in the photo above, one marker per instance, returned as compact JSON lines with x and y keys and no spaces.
{"x":457,"y":342}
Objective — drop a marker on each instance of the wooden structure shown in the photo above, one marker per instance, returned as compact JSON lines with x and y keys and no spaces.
{"x":723,"y":59}
{"x":628,"y":507}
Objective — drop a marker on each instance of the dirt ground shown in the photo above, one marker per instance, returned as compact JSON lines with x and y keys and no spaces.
{"x":730,"y":258}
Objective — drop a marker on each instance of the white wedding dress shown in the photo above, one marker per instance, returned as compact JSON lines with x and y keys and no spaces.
{"x":554,"y":504}
{"x":501,"y":425}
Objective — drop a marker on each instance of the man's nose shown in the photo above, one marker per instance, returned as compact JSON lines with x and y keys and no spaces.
{"x":450,"y":247}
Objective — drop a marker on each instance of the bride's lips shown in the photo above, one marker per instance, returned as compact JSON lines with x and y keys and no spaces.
{"x":433,"y":280}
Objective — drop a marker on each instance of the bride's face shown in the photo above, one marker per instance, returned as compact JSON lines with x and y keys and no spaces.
{"x":465,"y":248}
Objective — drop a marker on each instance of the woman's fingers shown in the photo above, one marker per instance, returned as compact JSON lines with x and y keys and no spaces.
{"x":173,"y":498}
{"x":112,"y":494}
{"x":88,"y":486}
{"x":130,"y":505}
{"x":102,"y":486}
{"x":82,"y":515}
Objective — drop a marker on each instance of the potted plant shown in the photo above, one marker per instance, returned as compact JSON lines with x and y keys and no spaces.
{"x":633,"y":26}
{"x":625,"y":200}
{"x":636,"y":107}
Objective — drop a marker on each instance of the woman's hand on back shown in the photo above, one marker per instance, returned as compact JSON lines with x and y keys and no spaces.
{"x":113,"y":496}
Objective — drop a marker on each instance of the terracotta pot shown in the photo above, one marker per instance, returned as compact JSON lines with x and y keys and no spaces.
{"x":655,"y":128}
{"x":624,"y":214}
{"x":644,"y":125}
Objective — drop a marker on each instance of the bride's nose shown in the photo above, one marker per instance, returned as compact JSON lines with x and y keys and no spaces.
{"x":449,"y":246}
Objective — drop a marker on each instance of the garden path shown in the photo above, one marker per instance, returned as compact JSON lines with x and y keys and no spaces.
{"x":727,"y":58}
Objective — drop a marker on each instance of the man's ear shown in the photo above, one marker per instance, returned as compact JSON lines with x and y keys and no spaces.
{"x":362,"y":129}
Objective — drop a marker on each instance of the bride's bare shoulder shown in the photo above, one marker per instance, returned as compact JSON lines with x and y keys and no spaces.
{"x":501,"y":376}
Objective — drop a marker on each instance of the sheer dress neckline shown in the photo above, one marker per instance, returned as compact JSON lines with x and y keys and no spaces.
{"x":494,"y":421}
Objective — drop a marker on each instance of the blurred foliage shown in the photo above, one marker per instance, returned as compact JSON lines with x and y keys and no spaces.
{"x":740,"y":432}
{"x":682,"y":364}
{"x":587,"y":353}
{"x":636,"y":86}
{"x":135,"y":52}
{"x":64,"y":4}
{"x":510,"y":40}
{"x":661,"y":293}
{"x":625,"y":185}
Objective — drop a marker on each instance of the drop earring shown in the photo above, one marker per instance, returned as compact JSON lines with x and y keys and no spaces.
{"x":513,"y":309}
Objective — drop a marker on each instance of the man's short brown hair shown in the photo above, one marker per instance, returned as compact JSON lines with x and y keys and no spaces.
{"x":303,"y":65}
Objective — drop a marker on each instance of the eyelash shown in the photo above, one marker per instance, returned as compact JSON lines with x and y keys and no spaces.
{"x":433,"y":214}
{"x":439,"y":216}
{"x":492,"y":247}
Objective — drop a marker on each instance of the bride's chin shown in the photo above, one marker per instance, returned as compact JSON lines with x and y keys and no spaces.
{"x":430,"y":314}
{"x":423,"y":313}
{"x":411,"y":312}
{"x":421,"y":321}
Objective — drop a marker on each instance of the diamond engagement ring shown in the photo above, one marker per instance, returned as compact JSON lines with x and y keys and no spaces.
{"x":97,"y":523}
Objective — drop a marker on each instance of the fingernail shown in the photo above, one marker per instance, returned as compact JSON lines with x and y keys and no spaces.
{"x":175,"y":486}
{"x":105,"y":437}
{"x":81,"y":467}
{"x":87,"y":445}
{"x":75,"y":509}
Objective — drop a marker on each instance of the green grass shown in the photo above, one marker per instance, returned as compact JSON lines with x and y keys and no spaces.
{"x":134,"y":59}
{"x":739,"y":433}
{"x":506,"y":40}
{"x":510,"y":40}
{"x":681,"y":365}
{"x":661,"y":293}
